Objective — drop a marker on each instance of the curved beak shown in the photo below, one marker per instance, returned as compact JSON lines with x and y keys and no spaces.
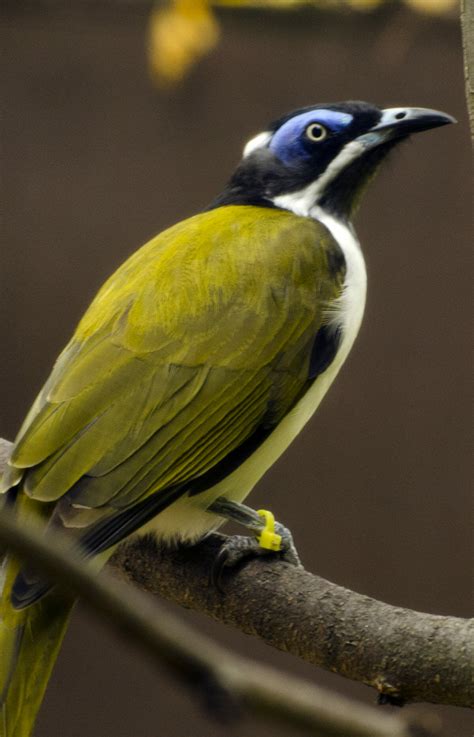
{"x":398,"y":122}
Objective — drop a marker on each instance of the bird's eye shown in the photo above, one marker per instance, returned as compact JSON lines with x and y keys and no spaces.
{"x":316,"y":132}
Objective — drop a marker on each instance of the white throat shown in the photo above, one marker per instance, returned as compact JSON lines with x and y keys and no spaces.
{"x":304,"y":200}
{"x":349,"y":308}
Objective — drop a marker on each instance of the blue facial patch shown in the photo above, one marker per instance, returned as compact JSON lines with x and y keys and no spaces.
{"x":289,"y":143}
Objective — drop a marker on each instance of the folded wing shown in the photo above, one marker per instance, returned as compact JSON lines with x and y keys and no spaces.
{"x":201,"y":339}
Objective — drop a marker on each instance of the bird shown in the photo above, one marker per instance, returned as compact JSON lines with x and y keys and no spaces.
{"x":198,"y":362}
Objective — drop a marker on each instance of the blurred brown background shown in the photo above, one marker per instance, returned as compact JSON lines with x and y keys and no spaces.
{"x":376,"y":490}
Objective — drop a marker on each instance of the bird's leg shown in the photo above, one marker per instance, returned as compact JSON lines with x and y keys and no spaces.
{"x":270,"y":537}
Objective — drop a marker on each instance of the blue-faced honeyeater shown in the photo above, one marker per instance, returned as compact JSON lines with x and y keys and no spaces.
{"x":195,"y":366}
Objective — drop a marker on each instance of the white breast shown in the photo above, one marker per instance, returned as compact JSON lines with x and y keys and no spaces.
{"x":352,"y":302}
{"x":187,"y":518}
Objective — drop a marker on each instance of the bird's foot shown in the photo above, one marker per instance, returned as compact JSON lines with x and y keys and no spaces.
{"x":270,"y":537}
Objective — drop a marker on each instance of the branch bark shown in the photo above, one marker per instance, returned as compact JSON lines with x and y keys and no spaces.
{"x":225,"y":682}
{"x":405,"y":655}
{"x":467,"y":24}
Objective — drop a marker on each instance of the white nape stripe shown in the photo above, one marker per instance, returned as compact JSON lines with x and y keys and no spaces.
{"x":256,"y":142}
{"x":302,"y":201}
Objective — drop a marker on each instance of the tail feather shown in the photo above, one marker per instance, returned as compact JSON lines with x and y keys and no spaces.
{"x":29,"y":644}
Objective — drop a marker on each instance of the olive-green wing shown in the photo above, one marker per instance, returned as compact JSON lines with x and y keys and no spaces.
{"x":202,"y":337}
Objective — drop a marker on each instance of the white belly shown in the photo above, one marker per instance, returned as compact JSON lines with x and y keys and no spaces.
{"x":187,"y":518}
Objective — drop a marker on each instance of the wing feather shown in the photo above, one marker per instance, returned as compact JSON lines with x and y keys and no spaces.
{"x":152,"y":464}
{"x":201,"y":338}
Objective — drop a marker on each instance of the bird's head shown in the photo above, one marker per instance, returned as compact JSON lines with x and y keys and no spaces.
{"x":322,"y":156}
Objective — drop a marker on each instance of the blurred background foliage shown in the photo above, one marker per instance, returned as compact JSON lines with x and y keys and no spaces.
{"x":181,"y":31}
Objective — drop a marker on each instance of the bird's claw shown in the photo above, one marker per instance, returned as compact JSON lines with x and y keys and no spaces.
{"x":237,"y":548}
{"x":288,"y":550}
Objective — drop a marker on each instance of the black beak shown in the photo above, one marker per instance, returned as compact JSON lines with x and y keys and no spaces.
{"x":412,"y":119}
{"x":398,"y":122}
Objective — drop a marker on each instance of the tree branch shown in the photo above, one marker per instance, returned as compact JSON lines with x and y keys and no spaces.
{"x":405,"y":655}
{"x":224,"y":681}
{"x":467,"y":25}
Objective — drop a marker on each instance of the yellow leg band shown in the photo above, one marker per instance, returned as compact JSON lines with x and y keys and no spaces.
{"x":268,"y":538}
